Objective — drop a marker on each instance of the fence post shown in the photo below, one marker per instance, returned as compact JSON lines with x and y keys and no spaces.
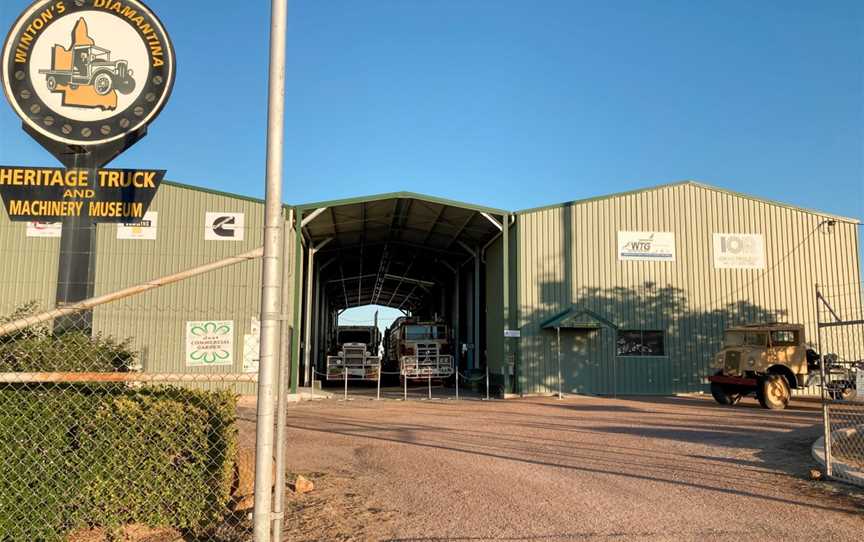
{"x":281,"y":429}
{"x":826,"y":415}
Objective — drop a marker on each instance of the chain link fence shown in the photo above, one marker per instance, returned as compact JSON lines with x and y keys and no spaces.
{"x":131,"y":419}
{"x":840,"y":321}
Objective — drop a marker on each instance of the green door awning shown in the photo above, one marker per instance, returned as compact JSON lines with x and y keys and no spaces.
{"x":577,"y":318}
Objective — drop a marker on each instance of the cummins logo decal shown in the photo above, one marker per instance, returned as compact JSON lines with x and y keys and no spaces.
{"x":87,"y":71}
{"x":224,"y":227}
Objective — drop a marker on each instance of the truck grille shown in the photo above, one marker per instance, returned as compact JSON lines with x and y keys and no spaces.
{"x":732,"y":362}
{"x":427,"y":352}
{"x":354,"y":354}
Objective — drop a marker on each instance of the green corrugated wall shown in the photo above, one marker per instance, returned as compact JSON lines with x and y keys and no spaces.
{"x":568,"y":256}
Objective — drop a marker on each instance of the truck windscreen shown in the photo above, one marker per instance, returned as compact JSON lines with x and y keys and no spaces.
{"x":425,"y":333}
{"x":354,"y":337}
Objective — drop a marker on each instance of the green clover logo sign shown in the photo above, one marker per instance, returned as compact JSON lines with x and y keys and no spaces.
{"x":209,"y":343}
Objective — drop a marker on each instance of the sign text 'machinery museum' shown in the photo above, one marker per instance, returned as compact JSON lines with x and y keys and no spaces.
{"x":106,"y":195}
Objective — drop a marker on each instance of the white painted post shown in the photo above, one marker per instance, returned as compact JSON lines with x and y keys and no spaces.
{"x":457,"y":383}
{"x":487,"y":381}
{"x":378,"y":396}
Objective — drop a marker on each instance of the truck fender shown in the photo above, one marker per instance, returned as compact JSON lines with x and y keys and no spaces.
{"x":786,"y":373}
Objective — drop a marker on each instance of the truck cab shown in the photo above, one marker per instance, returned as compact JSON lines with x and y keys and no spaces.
{"x":769,"y":360}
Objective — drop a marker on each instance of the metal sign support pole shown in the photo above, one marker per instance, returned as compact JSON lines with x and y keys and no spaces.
{"x":405,"y":388}
{"x":345,"y":378}
{"x":430,"y":386}
{"x":271,"y":280}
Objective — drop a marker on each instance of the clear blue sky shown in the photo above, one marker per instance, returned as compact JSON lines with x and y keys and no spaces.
{"x":513,"y":104}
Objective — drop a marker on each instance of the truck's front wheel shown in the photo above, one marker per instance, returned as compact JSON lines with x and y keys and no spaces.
{"x":724,"y":395}
{"x":773,"y":392}
{"x":103,"y":83}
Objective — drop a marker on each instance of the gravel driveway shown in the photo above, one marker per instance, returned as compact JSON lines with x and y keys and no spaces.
{"x":577,"y":469}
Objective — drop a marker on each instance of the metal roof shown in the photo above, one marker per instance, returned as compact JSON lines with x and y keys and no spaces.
{"x":396,"y":250}
{"x":696,"y":184}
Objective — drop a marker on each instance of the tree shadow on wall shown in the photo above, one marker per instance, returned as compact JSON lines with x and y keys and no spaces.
{"x":590,"y":362}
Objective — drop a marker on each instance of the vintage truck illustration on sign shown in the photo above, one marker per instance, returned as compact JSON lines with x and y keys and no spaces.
{"x":85,"y":73}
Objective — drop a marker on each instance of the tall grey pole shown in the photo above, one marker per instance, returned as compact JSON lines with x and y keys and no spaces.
{"x":271,"y":281}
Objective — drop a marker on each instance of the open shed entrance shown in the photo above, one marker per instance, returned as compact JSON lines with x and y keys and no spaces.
{"x":417,"y":254}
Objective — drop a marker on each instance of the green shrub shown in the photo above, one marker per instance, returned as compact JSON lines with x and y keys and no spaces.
{"x":36,"y":348}
{"x":73,"y":456}
{"x":76,"y":456}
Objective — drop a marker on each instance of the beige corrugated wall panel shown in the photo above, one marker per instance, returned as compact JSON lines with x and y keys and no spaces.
{"x":568,"y":256}
{"x":156,"y":321}
{"x":28,"y":266}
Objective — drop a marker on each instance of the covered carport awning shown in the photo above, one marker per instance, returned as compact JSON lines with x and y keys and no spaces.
{"x":393,"y":249}
{"x":401,"y":250}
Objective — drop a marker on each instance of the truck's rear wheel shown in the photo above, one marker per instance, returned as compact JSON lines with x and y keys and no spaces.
{"x":51,"y":82}
{"x":773,"y":392}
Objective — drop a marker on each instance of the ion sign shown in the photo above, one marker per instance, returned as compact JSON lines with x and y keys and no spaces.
{"x":739,"y":251}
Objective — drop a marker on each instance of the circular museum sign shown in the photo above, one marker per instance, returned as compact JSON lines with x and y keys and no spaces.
{"x":86,"y":72}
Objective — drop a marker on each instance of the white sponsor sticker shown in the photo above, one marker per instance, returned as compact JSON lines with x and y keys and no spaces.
{"x":146,"y":229}
{"x":209,"y":343}
{"x":646,"y":246}
{"x":44,"y":229}
{"x":739,"y":251}
{"x":223,"y":227}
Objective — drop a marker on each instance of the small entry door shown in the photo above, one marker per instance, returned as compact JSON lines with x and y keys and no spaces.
{"x":587,"y":358}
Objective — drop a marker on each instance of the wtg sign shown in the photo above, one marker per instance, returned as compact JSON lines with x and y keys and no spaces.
{"x":209,"y":343}
{"x":739,"y":251}
{"x":646,"y":246}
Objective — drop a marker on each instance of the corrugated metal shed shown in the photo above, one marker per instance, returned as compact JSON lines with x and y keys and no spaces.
{"x":568,"y":257}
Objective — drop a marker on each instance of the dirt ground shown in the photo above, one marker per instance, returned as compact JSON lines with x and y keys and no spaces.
{"x":577,"y":469}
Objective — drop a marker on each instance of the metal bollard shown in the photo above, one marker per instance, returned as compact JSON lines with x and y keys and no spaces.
{"x":405,"y":392}
{"x":345,"y":378}
{"x":487,"y":382}
{"x":457,"y":385}
{"x":430,"y":385}
{"x":378,"y":396}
